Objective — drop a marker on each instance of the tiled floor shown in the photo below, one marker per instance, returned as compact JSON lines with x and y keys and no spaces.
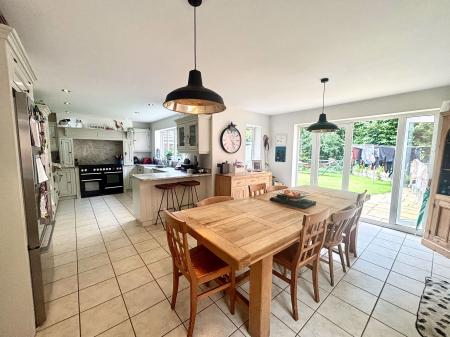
{"x":105,"y":275}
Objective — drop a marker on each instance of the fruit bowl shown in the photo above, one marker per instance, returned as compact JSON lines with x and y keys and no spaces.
{"x":290,"y":194}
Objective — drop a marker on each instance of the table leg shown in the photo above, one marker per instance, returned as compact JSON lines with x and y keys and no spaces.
{"x":260,"y":297}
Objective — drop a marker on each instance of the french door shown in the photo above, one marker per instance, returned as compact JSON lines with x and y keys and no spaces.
{"x":390,"y":158}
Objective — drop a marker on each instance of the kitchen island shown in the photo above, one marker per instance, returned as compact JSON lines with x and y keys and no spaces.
{"x":147,"y":198}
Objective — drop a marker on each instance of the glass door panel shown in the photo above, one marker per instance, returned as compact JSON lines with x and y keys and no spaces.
{"x":305,"y":140}
{"x":331,"y":159}
{"x":372,"y":164}
{"x":415,"y":168}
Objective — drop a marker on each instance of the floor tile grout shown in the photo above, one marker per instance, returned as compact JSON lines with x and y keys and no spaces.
{"x":107,"y":215}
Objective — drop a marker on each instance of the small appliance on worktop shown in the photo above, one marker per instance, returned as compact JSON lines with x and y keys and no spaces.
{"x":100,"y":180}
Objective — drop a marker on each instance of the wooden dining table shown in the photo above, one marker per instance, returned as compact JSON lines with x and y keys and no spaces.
{"x":248,"y":232}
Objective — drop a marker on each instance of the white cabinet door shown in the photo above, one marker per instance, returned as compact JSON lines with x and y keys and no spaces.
{"x":67,"y":183}
{"x":128,"y":152}
{"x":127,"y":172}
{"x":66,"y":152}
{"x":142,"y":140}
{"x":53,"y":134}
{"x":181,"y":138}
{"x":192,"y":140}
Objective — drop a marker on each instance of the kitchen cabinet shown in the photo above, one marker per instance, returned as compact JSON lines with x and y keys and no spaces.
{"x":66,"y":152}
{"x":67,"y":182}
{"x":142,"y":140}
{"x":53,"y":133}
{"x":193,"y":134}
{"x":128,"y":152}
{"x":127,"y":172}
{"x":236,"y":184}
{"x":436,"y":235}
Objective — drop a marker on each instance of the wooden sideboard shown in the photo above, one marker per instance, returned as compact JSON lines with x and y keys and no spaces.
{"x":437,"y":231}
{"x":236,"y":184}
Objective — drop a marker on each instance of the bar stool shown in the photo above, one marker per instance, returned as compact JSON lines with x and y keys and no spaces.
{"x":166,"y":190}
{"x":189,"y":184}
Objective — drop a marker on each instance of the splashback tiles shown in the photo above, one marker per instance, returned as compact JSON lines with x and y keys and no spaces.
{"x":92,"y":152}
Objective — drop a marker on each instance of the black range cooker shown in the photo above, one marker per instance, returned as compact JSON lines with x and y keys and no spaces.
{"x":100,"y":180}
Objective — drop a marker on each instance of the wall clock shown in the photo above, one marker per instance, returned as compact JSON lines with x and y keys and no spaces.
{"x":231,"y":139}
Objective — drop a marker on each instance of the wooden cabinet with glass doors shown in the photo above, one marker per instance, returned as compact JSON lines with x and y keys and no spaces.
{"x":437,"y":232}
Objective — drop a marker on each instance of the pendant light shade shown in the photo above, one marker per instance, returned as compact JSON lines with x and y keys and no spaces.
{"x":194,"y":98}
{"x":322,"y":125}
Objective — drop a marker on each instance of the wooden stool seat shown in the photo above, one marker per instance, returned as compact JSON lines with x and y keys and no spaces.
{"x":206,"y":265}
{"x":189,"y":183}
{"x":166,"y":186}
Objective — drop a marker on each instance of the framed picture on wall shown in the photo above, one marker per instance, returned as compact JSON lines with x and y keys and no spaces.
{"x":256,"y":165}
{"x":280,"y":154}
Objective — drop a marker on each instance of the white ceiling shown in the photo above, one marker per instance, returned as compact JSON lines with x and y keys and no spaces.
{"x":265,"y":56}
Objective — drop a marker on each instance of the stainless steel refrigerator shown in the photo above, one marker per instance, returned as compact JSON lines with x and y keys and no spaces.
{"x":35,"y":227}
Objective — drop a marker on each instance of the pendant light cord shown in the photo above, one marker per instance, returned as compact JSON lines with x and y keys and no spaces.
{"x":323,"y":97}
{"x":195,"y":38}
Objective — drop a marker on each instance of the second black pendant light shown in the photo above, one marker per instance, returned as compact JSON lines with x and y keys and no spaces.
{"x":194,"y":98}
{"x":322,"y":125}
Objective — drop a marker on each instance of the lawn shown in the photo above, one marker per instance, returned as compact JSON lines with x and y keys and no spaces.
{"x":357,"y":183}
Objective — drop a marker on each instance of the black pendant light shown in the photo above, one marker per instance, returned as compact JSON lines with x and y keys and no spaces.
{"x":194,"y":98}
{"x":322,"y":125}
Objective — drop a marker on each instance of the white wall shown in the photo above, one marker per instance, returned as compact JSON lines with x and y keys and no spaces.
{"x":241,"y":118}
{"x":16,"y":301}
{"x":285,"y":123}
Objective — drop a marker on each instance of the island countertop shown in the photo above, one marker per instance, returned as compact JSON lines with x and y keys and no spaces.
{"x":167,"y":173}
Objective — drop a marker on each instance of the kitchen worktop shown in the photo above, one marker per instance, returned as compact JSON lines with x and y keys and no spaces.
{"x":167,"y":173}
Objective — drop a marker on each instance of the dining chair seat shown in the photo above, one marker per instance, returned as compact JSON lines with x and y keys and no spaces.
{"x":199,"y":265}
{"x":340,"y":222}
{"x":206,"y":265}
{"x":303,"y":253}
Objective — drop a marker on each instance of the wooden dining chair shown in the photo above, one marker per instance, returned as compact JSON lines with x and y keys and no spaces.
{"x":257,"y":189}
{"x":305,"y":252}
{"x":199,"y":265}
{"x":276,"y":188}
{"x":334,"y":237}
{"x":351,"y":234}
{"x":214,"y":200}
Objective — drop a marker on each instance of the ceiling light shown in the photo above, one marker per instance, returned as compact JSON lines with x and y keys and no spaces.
{"x":66,"y":91}
{"x":67,"y":112}
{"x":322,"y":125}
{"x":194,"y":98}
{"x":66,"y":103}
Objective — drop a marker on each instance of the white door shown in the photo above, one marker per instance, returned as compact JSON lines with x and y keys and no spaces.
{"x":66,"y":152}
